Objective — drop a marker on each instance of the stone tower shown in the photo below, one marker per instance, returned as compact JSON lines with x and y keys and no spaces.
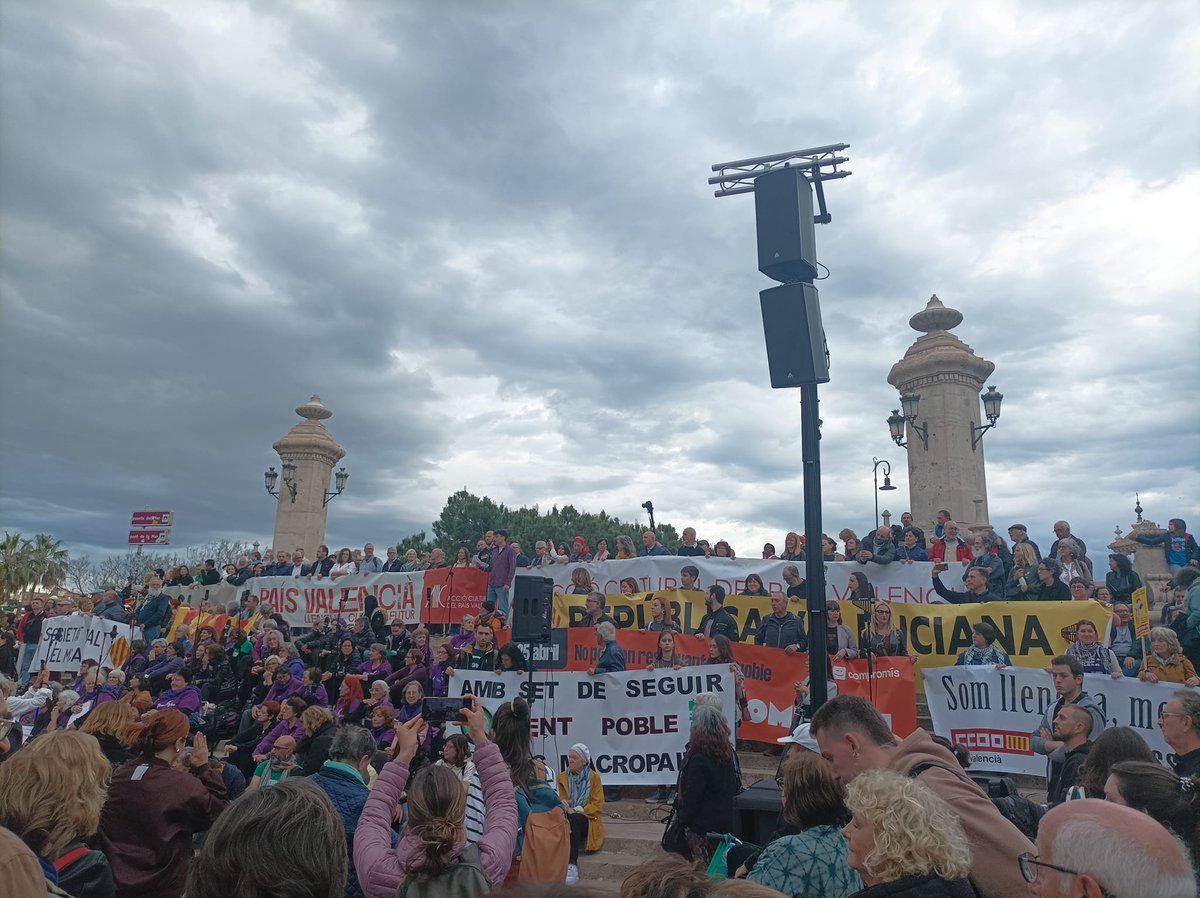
{"x":300,"y":518}
{"x":947,"y":375}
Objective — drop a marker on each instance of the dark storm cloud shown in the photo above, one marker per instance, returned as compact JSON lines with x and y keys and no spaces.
{"x":482,"y":234}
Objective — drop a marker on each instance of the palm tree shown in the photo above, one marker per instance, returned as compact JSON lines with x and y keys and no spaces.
{"x":49,"y":560}
{"x":17,"y":570}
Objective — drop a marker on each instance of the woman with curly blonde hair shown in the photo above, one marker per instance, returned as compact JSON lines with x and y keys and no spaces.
{"x":51,"y":793}
{"x":904,"y":840}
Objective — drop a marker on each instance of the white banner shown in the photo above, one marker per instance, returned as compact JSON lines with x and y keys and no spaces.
{"x":893,"y":582}
{"x":635,"y":724}
{"x":69,"y":640}
{"x":219,"y":597}
{"x":302,"y":601}
{"x":437,"y":594}
{"x":994,"y":712}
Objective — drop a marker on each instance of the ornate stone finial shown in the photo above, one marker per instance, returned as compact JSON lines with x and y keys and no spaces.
{"x":935,"y":317}
{"x":313,"y":410}
{"x":1117,"y":531}
{"x":1137,"y":507}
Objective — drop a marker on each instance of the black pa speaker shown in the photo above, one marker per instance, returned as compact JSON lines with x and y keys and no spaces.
{"x":795,"y":338}
{"x":783,"y":212}
{"x":532,"y":606}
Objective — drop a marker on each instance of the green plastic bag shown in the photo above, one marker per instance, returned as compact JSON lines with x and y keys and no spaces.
{"x":718,"y":867}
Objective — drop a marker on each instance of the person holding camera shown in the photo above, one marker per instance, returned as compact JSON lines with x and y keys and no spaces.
{"x":433,"y":846}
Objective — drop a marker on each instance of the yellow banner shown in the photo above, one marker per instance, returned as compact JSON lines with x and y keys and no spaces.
{"x":1031,"y":632}
{"x":1141,"y":613}
{"x":688,"y":607}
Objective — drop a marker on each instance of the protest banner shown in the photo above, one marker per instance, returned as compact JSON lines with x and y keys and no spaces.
{"x":1031,"y":632}
{"x":1141,"y":613}
{"x":69,"y":640}
{"x":444,"y":595}
{"x":436,"y":596}
{"x":994,"y":712}
{"x":771,"y":675}
{"x":635,"y":724}
{"x":894,"y":582}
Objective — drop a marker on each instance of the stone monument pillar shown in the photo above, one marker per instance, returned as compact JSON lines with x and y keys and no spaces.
{"x":948,"y":376}
{"x":300,"y":517}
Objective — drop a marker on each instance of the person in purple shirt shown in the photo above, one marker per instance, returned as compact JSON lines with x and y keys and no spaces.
{"x":376,"y":667}
{"x":439,"y":677}
{"x":182,"y":696}
{"x":312,"y":691}
{"x":414,"y":671}
{"x":503,"y":567}
{"x":465,"y":637}
{"x":162,"y":666}
{"x":284,"y":685}
{"x":289,"y":725}
{"x":113,"y":688}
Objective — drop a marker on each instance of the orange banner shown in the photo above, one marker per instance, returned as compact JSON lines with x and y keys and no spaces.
{"x":771,"y":676}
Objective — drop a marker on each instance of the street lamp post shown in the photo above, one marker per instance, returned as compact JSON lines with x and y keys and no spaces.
{"x":887,"y":482}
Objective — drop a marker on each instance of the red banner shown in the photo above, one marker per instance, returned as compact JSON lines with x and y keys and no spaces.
{"x":771,"y":676}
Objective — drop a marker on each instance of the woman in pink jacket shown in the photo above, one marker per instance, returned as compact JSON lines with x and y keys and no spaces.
{"x":435,"y":834}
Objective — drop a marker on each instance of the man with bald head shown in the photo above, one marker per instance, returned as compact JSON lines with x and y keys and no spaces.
{"x":1073,"y":728}
{"x":277,"y":766}
{"x":1093,"y":849}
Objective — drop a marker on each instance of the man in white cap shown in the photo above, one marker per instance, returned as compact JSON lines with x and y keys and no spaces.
{"x":800,"y":739}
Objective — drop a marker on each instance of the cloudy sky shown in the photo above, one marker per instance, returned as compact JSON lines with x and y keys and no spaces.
{"x":482,"y":233}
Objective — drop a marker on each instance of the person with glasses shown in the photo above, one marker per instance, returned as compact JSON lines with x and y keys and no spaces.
{"x":1098,"y":849}
{"x":1179,"y":721}
{"x":880,"y":637}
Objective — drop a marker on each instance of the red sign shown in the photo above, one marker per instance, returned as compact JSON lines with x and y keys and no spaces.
{"x":149,"y":537}
{"x":152,"y":519}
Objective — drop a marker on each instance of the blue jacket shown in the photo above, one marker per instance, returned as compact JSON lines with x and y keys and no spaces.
{"x":1190,"y":549}
{"x":658,"y":549}
{"x":348,"y":795}
{"x":153,"y":610}
{"x":612,"y":659}
{"x":916,"y":553}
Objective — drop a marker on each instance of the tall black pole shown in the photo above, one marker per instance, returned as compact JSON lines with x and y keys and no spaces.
{"x":814,"y":550}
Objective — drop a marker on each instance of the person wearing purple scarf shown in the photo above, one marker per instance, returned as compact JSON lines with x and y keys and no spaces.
{"x":465,"y":635}
{"x":182,"y":696}
{"x":380,"y":725}
{"x":414,"y":671}
{"x":413,"y":696}
{"x":439,"y":678}
{"x":289,"y":725}
{"x":284,"y":685}
{"x":113,"y":688}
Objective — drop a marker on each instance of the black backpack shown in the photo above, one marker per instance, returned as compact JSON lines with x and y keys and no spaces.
{"x":1014,"y":807}
{"x":462,"y":879}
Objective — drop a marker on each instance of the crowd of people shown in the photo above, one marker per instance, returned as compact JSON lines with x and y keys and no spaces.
{"x":324,"y":776}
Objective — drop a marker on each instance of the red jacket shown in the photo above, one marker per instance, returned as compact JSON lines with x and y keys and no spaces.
{"x":937,"y":551}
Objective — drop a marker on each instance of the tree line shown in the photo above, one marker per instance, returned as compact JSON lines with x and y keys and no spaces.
{"x":466,"y":517}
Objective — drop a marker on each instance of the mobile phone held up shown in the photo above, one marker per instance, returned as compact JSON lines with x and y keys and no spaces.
{"x":443,"y":710}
